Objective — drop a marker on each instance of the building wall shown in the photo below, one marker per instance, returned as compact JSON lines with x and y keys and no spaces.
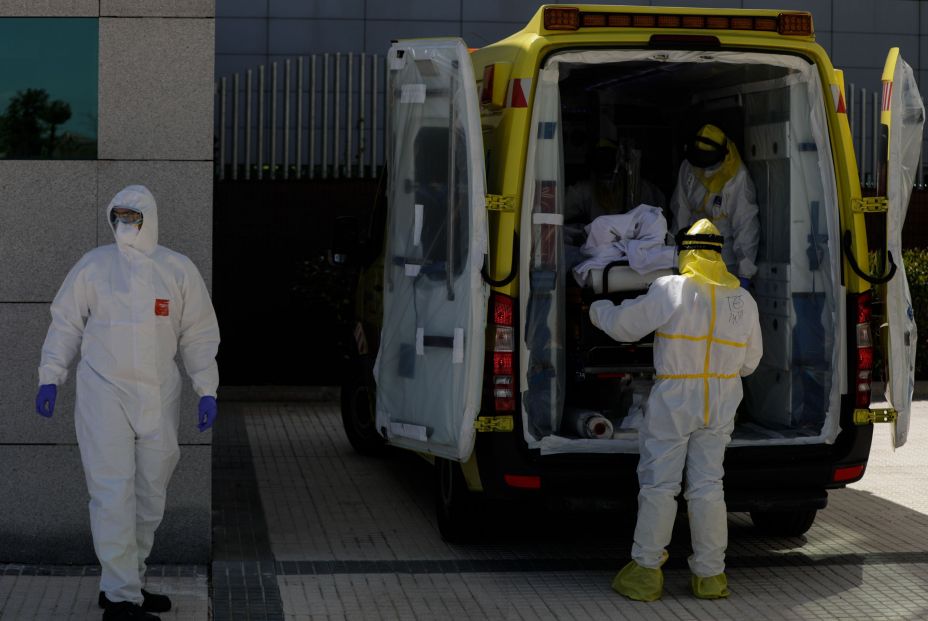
{"x":156,"y":70}
{"x":856,"y":33}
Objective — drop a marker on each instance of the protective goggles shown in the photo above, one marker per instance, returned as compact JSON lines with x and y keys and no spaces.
{"x":123,"y":215}
{"x":703,"y":152}
{"x":700,"y":241}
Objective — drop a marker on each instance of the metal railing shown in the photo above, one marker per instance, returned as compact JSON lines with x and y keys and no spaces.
{"x":309,"y":117}
{"x":863,"y":111}
{"x":323,"y":116}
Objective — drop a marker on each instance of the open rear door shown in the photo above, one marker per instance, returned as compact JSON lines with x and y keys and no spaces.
{"x":902,"y":118}
{"x":431,"y":360}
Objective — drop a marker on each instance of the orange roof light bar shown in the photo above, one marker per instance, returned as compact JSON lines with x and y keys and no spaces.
{"x":562,"y":18}
{"x":623,"y":20}
{"x":570,"y":18}
{"x":766,"y":23}
{"x":694,"y":21}
{"x":795,"y":23}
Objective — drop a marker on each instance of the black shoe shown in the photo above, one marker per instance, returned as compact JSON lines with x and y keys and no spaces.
{"x":126,"y":611}
{"x":154,"y":602}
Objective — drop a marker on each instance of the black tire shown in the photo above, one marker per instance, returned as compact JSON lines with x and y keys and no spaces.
{"x":455,"y":505}
{"x":358,"y":413}
{"x":784,"y":523}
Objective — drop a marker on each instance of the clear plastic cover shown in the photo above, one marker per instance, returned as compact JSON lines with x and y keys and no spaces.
{"x":905,"y":140}
{"x":430,"y":363}
{"x":796,"y":395}
{"x":543,"y":267}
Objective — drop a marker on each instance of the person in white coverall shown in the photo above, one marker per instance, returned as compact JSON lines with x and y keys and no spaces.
{"x":713,"y":183}
{"x":707,"y":337}
{"x":128,"y":307}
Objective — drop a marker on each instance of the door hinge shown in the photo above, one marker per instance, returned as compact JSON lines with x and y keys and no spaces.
{"x":878,"y":415}
{"x":870,"y":204}
{"x":494,"y":423}
{"x":501,"y":202}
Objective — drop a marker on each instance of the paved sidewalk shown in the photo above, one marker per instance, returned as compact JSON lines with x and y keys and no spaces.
{"x":304,"y":529}
{"x":355,"y":537}
{"x":53,"y":593}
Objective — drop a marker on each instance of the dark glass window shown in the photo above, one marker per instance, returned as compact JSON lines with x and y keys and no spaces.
{"x":48,"y":88}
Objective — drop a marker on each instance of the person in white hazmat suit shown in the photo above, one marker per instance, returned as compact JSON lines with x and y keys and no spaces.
{"x":707,"y":336}
{"x":128,"y":307}
{"x":713,"y":183}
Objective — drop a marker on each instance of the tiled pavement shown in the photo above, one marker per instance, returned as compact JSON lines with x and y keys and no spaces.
{"x":367,"y":524}
{"x":53,"y":593}
{"x":347,"y":537}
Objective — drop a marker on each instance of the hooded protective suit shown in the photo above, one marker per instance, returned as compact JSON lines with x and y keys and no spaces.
{"x":707,"y":337}
{"x":722,"y":192}
{"x":128,"y":307}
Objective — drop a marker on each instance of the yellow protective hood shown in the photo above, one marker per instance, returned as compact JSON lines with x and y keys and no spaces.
{"x":703,"y":260}
{"x":715,"y":181}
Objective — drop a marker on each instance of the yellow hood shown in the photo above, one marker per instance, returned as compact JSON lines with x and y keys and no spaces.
{"x":703,"y":260}
{"x":716,"y":180}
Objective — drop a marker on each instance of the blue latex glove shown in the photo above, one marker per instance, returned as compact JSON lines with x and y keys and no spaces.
{"x":45,"y":400}
{"x":206,"y":412}
{"x":745,"y":282}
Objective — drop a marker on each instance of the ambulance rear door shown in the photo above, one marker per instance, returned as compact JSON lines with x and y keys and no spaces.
{"x":430,"y":364}
{"x":902,"y":119}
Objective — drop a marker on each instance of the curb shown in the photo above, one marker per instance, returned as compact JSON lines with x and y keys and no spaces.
{"x":278,"y":393}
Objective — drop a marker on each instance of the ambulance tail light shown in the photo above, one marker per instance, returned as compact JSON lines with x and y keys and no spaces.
{"x":864,"y":368}
{"x":848,"y":474}
{"x":503,"y":341}
{"x":523,"y":481}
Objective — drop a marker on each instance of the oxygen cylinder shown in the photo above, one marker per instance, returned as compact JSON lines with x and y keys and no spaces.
{"x":587,"y":424}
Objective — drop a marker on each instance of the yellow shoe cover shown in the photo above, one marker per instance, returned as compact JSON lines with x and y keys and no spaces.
{"x":639,"y":583}
{"x":713,"y":587}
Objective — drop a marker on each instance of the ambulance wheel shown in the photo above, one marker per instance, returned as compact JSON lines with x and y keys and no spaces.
{"x":455,"y":505}
{"x":784,"y":523}
{"x":358,"y":419}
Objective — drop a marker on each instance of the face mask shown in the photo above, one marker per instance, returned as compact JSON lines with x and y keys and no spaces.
{"x":714,"y":168}
{"x":126,"y":234}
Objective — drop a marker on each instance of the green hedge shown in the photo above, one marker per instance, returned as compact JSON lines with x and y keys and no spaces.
{"x":916,"y":269}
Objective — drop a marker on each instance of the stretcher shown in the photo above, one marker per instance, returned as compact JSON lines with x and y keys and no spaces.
{"x":597,"y":355}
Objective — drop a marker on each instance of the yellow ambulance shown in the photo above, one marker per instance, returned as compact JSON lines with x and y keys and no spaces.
{"x":483,"y":358}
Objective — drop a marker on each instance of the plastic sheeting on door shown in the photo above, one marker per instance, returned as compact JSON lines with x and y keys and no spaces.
{"x":807,"y":174}
{"x":542,"y":287}
{"x":430,"y":363}
{"x":905,"y":140}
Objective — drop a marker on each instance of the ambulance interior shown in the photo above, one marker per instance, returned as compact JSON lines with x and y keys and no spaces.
{"x":643,"y":106}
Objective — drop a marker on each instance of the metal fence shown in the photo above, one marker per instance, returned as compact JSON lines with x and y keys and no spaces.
{"x":322,"y":116}
{"x":863,"y":110}
{"x":318,"y":116}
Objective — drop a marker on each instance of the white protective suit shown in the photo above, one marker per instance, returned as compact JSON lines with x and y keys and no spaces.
{"x":733,"y":210}
{"x":707,"y":336}
{"x":128,"y":309}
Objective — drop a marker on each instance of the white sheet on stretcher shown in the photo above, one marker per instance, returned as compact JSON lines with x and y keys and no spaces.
{"x":637,"y":237}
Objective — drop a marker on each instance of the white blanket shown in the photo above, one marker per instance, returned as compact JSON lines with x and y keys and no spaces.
{"x":637,"y":236}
